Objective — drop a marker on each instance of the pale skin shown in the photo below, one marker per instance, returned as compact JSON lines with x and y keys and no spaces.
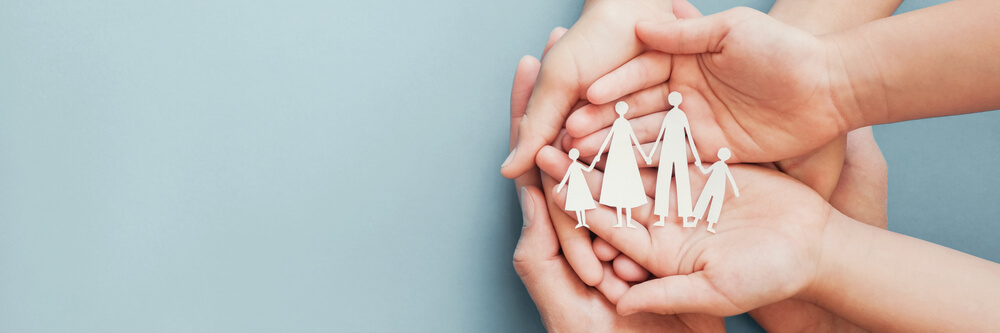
{"x":813,"y":168}
{"x":782,"y":240}
{"x":963,"y":79}
{"x":561,"y":296}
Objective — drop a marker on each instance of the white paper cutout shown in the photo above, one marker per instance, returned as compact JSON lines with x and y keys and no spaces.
{"x":622,"y":186}
{"x":578,"y":197}
{"x":715,"y":190}
{"x":673,"y":161}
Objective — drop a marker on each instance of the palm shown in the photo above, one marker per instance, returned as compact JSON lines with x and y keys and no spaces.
{"x":763,"y":103}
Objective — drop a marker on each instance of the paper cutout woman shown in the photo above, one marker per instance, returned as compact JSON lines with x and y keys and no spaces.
{"x":578,"y":197}
{"x":622,"y":186}
{"x":673,"y":160}
{"x":715,"y":190}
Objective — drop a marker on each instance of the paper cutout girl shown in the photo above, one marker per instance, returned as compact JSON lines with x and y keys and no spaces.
{"x":578,"y":197}
{"x":622,"y":187}
{"x":715,"y":190}
{"x":673,"y":160}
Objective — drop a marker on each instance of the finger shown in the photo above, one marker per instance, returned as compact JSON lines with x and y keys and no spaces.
{"x":692,"y":36}
{"x":524,"y":82}
{"x":554,"y":37}
{"x":593,"y":117}
{"x":818,"y":169}
{"x":612,"y":286}
{"x":685,"y":10}
{"x":575,"y":242}
{"x":628,"y":270}
{"x":604,"y":251}
{"x":675,"y":294}
{"x":645,"y":70}
{"x":545,"y":273}
{"x":554,"y":93}
{"x":862,"y":192}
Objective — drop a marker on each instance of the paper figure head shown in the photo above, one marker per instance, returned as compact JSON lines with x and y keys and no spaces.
{"x":621,"y":108}
{"x":724,"y":154}
{"x":574,"y":154}
{"x":675,"y":99}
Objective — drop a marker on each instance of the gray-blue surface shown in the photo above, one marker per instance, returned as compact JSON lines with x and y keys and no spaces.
{"x":300,"y":166}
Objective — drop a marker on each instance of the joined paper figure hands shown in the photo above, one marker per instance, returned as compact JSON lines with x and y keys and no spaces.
{"x":622,"y":185}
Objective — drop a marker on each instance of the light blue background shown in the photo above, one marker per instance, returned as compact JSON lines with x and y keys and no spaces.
{"x":315,"y":166}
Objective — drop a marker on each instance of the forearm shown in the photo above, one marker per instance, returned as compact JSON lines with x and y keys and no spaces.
{"x":885,"y":281}
{"x":932,"y":62}
{"x":825,"y":16}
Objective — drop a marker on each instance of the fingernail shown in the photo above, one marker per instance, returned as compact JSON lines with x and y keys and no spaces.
{"x":509,"y":157}
{"x":527,"y":206}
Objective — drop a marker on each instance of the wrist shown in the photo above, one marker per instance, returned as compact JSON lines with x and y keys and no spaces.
{"x":856,"y":86}
{"x":842,"y":247}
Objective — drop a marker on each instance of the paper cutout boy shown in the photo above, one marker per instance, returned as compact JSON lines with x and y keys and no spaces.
{"x":715,"y":190}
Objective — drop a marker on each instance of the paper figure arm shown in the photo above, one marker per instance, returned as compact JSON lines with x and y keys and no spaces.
{"x":638,"y":146}
{"x":601,"y":151}
{"x":663,"y":129}
{"x":565,"y":178}
{"x":694,"y":149}
{"x":732,"y":181}
{"x":703,"y":170}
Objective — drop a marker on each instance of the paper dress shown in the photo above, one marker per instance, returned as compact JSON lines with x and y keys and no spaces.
{"x":622,"y":186}
{"x":578,"y":197}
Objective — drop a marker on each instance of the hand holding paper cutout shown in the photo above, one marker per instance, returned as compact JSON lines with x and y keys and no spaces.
{"x":763,"y":102}
{"x":775,"y":227}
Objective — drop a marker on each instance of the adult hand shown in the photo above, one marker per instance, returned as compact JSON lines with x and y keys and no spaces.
{"x":600,"y":41}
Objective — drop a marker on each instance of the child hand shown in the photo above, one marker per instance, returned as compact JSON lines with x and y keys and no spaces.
{"x":778,"y":227}
{"x":768,"y":95}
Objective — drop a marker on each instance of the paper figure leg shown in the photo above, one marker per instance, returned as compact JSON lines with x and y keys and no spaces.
{"x":699,"y":209}
{"x":579,"y":219}
{"x":618,"y":214}
{"x":628,"y":218}
{"x":583,"y":218}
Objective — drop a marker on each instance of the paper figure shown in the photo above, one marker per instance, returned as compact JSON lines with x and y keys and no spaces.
{"x":578,"y":197}
{"x":622,"y":186}
{"x":715,"y":190}
{"x":673,"y":160}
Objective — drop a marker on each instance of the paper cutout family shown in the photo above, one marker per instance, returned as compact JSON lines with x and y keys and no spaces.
{"x":622,"y":186}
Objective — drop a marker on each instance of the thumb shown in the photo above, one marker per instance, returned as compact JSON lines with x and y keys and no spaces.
{"x":691,"y":293}
{"x":538,"y":240}
{"x":695,"y":35}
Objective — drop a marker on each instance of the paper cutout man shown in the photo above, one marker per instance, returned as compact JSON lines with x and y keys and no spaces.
{"x":622,"y":186}
{"x":715,"y":190}
{"x":673,"y":160}
{"x":578,"y":197}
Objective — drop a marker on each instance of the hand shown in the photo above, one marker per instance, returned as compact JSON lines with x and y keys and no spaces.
{"x":777,"y":227}
{"x":733,"y":95}
{"x":600,"y":41}
{"x":565,"y":303}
